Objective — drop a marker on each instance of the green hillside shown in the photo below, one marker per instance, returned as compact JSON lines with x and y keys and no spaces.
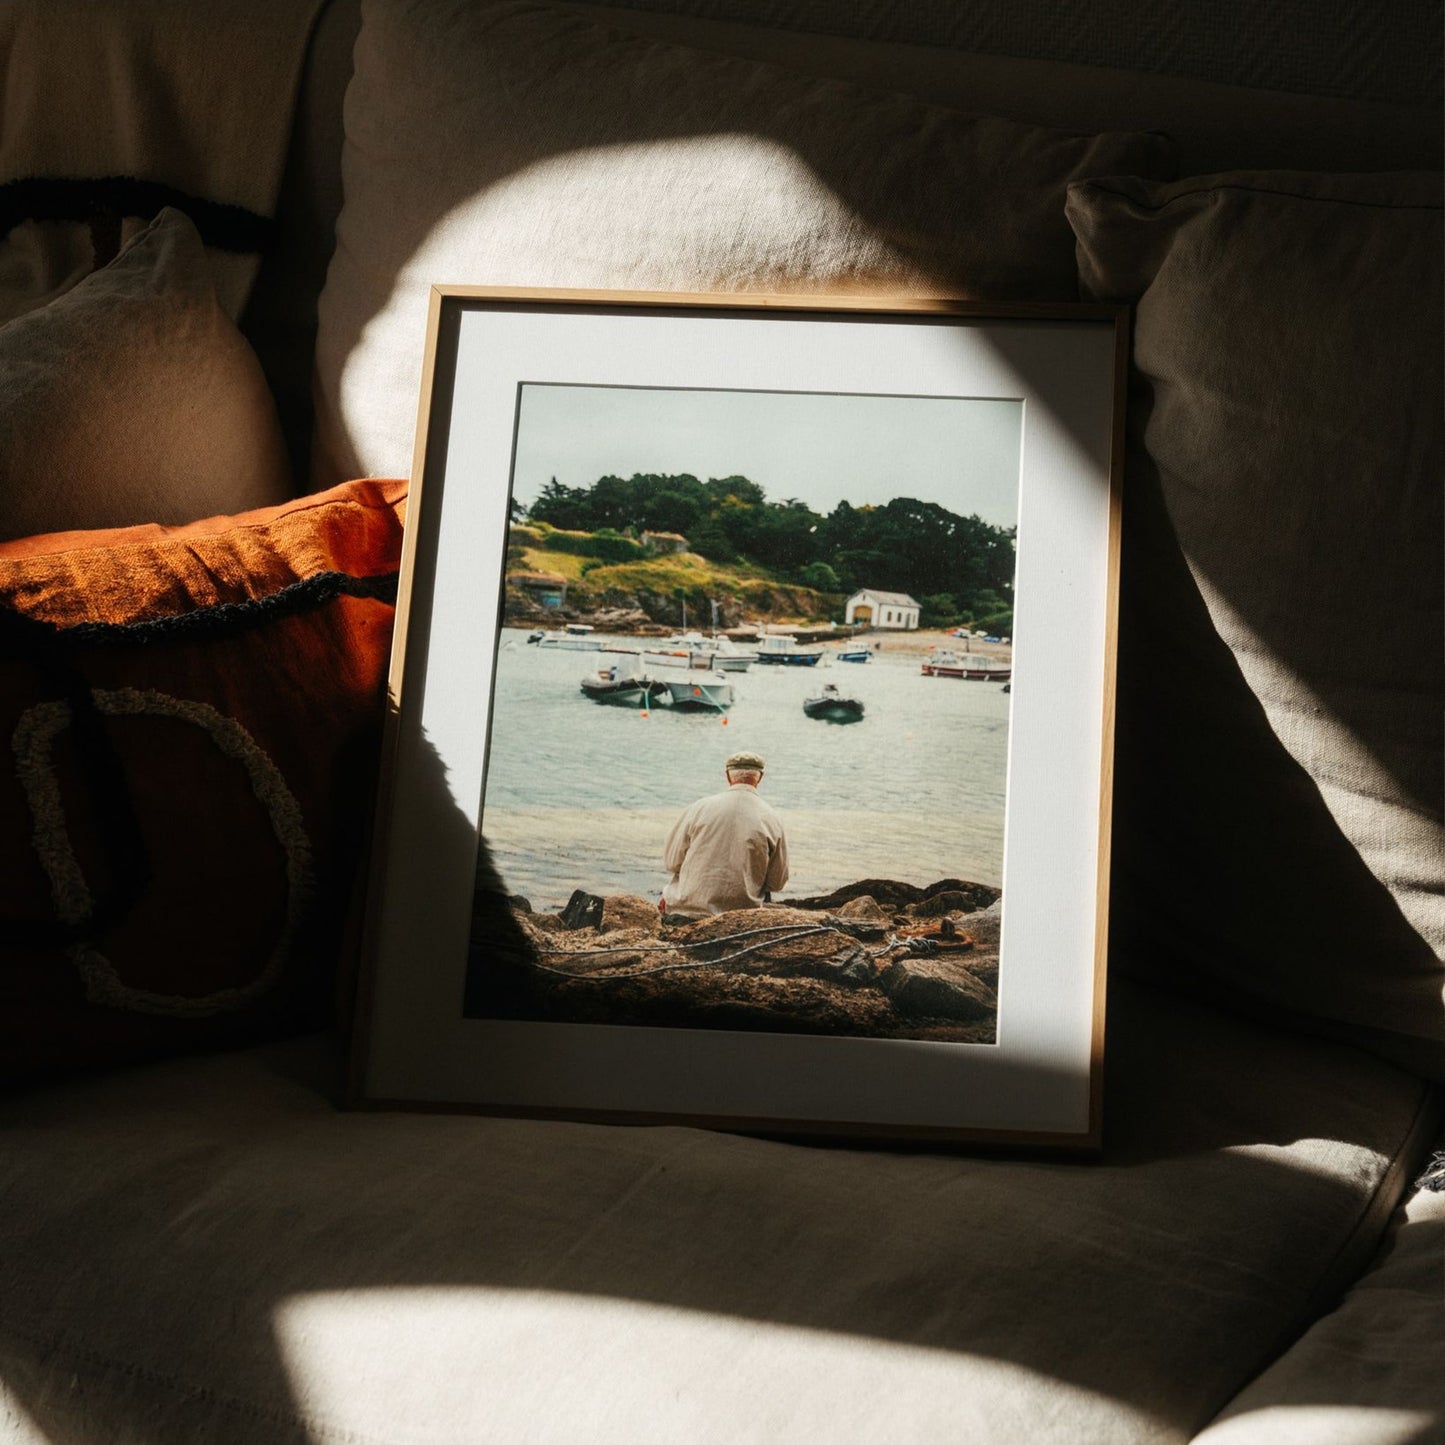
{"x":770,"y":559}
{"x":659,"y":585}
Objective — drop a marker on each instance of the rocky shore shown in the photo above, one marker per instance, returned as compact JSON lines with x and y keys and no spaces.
{"x":632,"y":621}
{"x":875,"y":959}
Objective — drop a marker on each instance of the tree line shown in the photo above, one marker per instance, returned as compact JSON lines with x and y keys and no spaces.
{"x":960,"y":568}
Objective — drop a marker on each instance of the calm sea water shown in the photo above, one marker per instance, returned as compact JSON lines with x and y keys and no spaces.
{"x":582,"y":795}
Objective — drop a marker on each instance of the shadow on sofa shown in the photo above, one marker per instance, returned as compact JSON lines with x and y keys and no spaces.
{"x":261,"y":1260}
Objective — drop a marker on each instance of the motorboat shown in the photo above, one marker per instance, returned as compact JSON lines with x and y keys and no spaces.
{"x":619,"y":685}
{"x":727,"y":655}
{"x":783,"y":650}
{"x":699,"y":691}
{"x":854,"y":654}
{"x":693,"y":650}
{"x":690,"y":650}
{"x":971,"y":666}
{"x":831,"y":705}
{"x":575,"y":639}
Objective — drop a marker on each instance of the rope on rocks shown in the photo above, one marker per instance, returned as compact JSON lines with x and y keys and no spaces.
{"x":789,"y":933}
{"x":679,"y":947}
{"x":807,"y":932}
{"x":920,"y":947}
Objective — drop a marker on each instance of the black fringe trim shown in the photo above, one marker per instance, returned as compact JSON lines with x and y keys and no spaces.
{"x":223,"y":227}
{"x":224,"y":619}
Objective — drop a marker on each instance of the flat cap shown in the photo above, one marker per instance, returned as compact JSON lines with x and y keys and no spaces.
{"x":745,"y":760}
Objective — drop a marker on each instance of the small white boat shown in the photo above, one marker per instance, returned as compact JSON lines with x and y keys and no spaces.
{"x":731,"y":657}
{"x":569,"y":641}
{"x":678,"y":652}
{"x":693,"y":650}
{"x":699,"y":691}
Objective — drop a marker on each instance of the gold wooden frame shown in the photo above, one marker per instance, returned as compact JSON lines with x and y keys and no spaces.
{"x":903,"y":306}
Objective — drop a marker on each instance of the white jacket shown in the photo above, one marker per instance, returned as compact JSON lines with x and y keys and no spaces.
{"x":725,"y":852}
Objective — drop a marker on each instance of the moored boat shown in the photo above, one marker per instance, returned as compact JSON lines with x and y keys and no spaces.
{"x":834,"y":706}
{"x":970,"y":666}
{"x":783,"y":650}
{"x":854,"y":654}
{"x":728,"y":656}
{"x":680,"y":652}
{"x":693,"y":650}
{"x":619,"y":685}
{"x":572,"y":640}
{"x":700,"y":691}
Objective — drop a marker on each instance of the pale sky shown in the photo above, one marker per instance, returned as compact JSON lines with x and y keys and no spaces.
{"x":820,"y":448}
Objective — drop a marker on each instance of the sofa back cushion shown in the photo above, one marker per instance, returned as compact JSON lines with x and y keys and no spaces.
{"x":1278,"y":833}
{"x":520,"y":144}
{"x":191,"y":718}
{"x":114,"y":111}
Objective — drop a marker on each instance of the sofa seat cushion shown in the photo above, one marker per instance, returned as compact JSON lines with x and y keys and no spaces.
{"x":208,"y":1249}
{"x":1369,"y":1372}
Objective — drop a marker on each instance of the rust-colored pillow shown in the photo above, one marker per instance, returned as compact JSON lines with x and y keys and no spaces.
{"x":191,"y":718}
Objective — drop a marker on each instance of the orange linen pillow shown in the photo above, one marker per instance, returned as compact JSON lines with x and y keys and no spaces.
{"x":191,"y":718}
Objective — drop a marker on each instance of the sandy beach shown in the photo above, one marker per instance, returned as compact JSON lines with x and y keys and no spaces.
{"x":923,"y":640}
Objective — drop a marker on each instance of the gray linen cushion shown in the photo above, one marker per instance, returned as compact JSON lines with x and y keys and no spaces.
{"x":207,"y":1250}
{"x":133,"y":398}
{"x":521,"y":144}
{"x":1278,"y":834}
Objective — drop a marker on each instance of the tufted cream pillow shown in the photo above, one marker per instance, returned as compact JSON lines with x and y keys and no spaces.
{"x":524,"y":144}
{"x":132,"y":397}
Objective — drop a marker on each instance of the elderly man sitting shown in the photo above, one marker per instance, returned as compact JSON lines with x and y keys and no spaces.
{"x":727,"y":850}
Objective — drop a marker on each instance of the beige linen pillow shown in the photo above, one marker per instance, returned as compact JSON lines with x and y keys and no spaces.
{"x":133,"y":398}
{"x":1278,"y":834}
{"x":522,"y":144}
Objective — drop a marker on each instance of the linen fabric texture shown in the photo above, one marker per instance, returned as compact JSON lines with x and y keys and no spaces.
{"x":113,"y":112}
{"x":1278,"y":837}
{"x":244,"y":1263}
{"x":132,"y":398}
{"x":521,"y":144}
{"x":191,"y":717}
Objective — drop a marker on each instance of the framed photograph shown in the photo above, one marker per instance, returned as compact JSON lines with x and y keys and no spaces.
{"x":749,"y":760}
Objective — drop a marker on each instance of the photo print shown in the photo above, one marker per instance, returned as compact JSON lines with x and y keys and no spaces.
{"x":748,"y":745}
